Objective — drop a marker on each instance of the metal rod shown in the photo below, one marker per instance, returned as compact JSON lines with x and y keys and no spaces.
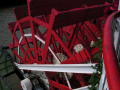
{"x":70,"y":68}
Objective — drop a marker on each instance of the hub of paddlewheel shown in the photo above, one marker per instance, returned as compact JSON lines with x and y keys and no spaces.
{"x":62,"y":40}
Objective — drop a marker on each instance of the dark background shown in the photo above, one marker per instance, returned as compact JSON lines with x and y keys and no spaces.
{"x":11,"y":3}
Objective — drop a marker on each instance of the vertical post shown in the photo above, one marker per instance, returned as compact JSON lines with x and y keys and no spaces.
{"x":28,"y":5}
{"x":49,"y":33}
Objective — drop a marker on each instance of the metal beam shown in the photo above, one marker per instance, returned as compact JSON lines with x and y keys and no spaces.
{"x":70,"y":68}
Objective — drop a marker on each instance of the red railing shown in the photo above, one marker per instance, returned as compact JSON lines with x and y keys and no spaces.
{"x":110,"y":58}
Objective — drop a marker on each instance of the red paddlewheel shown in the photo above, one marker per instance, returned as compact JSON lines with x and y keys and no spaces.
{"x":32,"y":45}
{"x":62,"y":37}
{"x":38,"y":43}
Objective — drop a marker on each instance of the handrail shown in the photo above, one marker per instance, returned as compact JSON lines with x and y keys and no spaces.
{"x":109,"y":54}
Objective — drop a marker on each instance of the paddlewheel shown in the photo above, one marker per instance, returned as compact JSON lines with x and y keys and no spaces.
{"x":62,"y":40}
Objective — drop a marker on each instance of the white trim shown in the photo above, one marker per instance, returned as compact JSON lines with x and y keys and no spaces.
{"x":70,"y":68}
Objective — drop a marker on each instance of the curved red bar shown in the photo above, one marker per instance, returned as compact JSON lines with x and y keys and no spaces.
{"x":110,"y":58}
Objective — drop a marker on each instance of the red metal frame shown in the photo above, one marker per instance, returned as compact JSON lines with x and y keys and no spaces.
{"x":109,"y":55}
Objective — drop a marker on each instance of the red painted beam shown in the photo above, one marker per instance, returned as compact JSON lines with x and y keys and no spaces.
{"x":109,"y":55}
